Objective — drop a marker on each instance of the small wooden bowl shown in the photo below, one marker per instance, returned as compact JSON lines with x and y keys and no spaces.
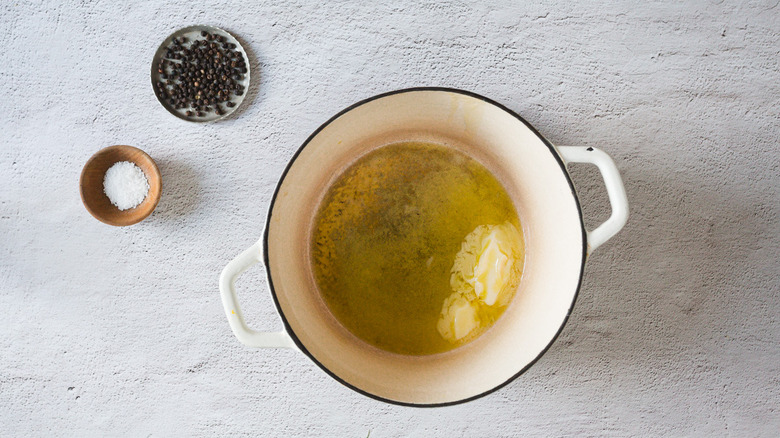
{"x":95,"y":199}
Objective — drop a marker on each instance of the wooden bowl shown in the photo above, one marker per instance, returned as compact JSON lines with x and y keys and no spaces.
{"x":95,"y":199}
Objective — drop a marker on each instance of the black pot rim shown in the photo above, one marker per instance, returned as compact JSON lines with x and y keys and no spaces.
{"x":289,"y":329}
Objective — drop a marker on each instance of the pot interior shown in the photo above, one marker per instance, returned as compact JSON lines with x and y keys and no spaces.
{"x":546,"y":204}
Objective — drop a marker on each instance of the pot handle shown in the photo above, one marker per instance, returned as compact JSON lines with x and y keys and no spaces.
{"x":615,"y":190}
{"x":227,"y":288}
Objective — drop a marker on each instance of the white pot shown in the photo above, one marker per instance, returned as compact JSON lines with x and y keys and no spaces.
{"x":535,"y":176}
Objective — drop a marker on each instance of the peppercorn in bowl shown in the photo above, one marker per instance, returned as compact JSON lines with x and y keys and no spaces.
{"x":200,"y":73}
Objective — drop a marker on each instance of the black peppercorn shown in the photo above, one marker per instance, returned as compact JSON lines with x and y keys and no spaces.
{"x":202,"y":75}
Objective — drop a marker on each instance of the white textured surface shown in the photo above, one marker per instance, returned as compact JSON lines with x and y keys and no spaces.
{"x":120,"y":331}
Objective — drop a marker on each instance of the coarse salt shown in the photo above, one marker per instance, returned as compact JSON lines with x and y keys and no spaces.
{"x":125,"y":185}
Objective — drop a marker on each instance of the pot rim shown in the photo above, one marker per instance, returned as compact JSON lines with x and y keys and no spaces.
{"x":266,"y":260}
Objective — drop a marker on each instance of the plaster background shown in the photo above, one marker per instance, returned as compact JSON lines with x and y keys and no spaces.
{"x":120,"y":331}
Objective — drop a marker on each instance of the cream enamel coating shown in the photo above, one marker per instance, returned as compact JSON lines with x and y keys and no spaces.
{"x":552,"y":226}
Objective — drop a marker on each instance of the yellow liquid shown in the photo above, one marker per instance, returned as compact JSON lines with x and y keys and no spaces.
{"x":387,"y":234}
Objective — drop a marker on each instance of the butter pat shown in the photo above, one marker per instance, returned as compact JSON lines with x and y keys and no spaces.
{"x":492,"y":271}
{"x":458,"y":318}
{"x":486,"y":269}
{"x":489,"y":263}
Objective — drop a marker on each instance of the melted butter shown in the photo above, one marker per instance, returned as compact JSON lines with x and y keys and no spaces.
{"x":385,"y":238}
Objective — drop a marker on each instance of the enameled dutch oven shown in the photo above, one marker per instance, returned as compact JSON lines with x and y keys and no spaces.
{"x":534,"y":174}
